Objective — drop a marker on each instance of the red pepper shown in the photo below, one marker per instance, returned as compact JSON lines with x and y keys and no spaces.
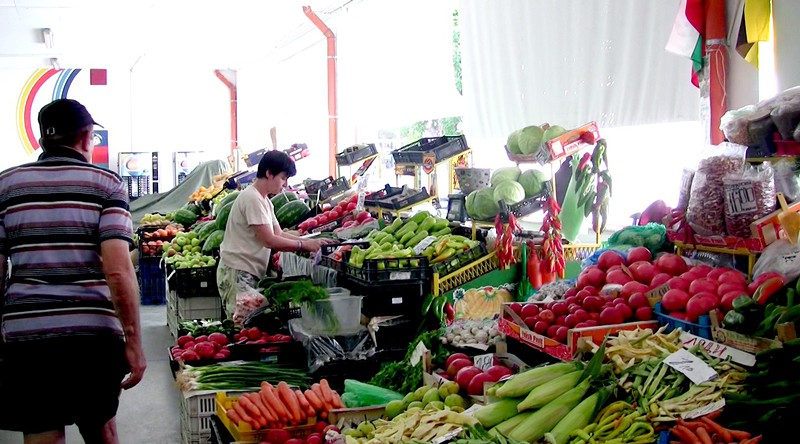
{"x":584,"y":160}
{"x":767,"y":289}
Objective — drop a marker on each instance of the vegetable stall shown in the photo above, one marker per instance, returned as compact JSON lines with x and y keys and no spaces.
{"x":506,"y":316}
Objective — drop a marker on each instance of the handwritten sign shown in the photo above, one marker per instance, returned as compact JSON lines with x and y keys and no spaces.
{"x":423,"y":244}
{"x":691,"y":366}
{"x":705,"y":410}
{"x":484,"y":362}
{"x":718,"y":350}
{"x":418,"y":353}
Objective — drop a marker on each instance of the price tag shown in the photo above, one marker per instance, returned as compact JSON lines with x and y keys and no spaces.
{"x":362,"y":192}
{"x":718,"y":350}
{"x":204,"y":284}
{"x":400,"y":275}
{"x":484,"y":362}
{"x":418,"y":353}
{"x":791,"y":260}
{"x":705,"y":410}
{"x":691,"y":366}
{"x":447,"y":437}
{"x":740,"y":198}
{"x":423,"y":244}
{"x":397,"y":301}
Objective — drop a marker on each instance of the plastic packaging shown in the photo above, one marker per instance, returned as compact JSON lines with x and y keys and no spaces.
{"x":734,"y":125}
{"x":362,"y":394}
{"x":781,"y":256}
{"x":322,"y":350}
{"x":748,"y":196}
{"x":333,"y":316}
{"x":706,"y":211}
{"x":786,"y":118}
{"x":686,"y":188}
{"x":786,"y":179}
{"x":651,"y":236}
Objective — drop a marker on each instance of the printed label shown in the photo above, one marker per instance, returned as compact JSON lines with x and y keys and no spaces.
{"x":397,"y":301}
{"x":531,"y":338}
{"x":718,"y":350}
{"x":400,"y":275}
{"x":691,"y":366}
{"x":423,"y":244}
{"x":740,"y":198}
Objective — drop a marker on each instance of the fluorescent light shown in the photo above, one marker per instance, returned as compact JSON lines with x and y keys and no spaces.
{"x":47,"y":35}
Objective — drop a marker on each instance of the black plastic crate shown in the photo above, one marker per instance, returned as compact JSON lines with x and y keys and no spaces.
{"x":459,"y":260}
{"x":356,"y":153}
{"x":394,"y":198}
{"x":525,"y":207}
{"x":337,"y":264}
{"x":194,"y":282}
{"x":442,"y":148}
{"x":384,"y":270}
{"x":152,"y":285}
{"x":392,"y":298}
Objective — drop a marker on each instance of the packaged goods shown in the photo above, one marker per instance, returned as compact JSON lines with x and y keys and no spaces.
{"x":706,"y":210}
{"x":748,"y":196}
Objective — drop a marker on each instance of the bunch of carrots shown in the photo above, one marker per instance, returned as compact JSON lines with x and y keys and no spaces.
{"x":279,"y":407}
{"x":705,"y":430}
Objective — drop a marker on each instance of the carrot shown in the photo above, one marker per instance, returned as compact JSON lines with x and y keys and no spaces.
{"x":255,"y":398}
{"x":272,"y":399}
{"x":686,"y":436}
{"x":739,"y":434}
{"x":314,"y":400}
{"x":337,"y":400}
{"x":326,"y":391}
{"x":755,"y":440}
{"x":691,"y":425}
{"x":245,"y":417}
{"x":292,"y":404}
{"x":317,"y":389}
{"x":233,"y":416}
{"x":252,"y":410}
{"x":301,"y":398}
{"x":724,"y":433}
{"x":703,"y":435}
{"x":714,"y":414}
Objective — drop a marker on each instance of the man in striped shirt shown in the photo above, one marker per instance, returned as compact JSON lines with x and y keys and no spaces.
{"x":70,"y":310}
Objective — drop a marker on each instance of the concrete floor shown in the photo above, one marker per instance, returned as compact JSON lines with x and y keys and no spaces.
{"x":150,"y":412}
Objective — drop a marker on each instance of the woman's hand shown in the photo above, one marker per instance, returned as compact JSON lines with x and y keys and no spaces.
{"x":312,"y":245}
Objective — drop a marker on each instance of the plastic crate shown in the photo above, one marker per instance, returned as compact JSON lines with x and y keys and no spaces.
{"x":335,"y":264}
{"x":525,"y":207}
{"x":356,"y":153}
{"x":394,"y":198}
{"x":189,"y":309}
{"x":152,"y":282}
{"x":326,"y":188}
{"x":243,"y":431}
{"x":390,"y":298}
{"x":442,"y":148}
{"x":701,"y":328}
{"x":460,"y":260}
{"x":194,"y":282}
{"x":197,"y":413}
{"x":385,"y":270}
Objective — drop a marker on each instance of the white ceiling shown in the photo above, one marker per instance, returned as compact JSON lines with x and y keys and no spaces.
{"x":116,"y":33}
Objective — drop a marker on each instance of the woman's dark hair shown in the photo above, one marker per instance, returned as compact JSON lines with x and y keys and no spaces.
{"x":276,"y":162}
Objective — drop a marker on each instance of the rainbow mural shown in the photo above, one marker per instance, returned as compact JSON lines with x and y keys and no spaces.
{"x":32,"y":87}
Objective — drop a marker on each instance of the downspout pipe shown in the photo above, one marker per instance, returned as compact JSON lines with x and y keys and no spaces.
{"x":333,"y":126}
{"x":234,"y":108}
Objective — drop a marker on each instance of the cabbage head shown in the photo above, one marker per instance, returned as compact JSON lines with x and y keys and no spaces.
{"x":481,"y":204}
{"x":530,"y":138}
{"x":513,"y":143}
{"x":533,"y":181}
{"x":507,"y":173}
{"x":553,"y":132}
{"x":509,"y":192}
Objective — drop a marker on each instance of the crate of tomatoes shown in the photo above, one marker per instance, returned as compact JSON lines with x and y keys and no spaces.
{"x":331,"y":217}
{"x":152,"y":240}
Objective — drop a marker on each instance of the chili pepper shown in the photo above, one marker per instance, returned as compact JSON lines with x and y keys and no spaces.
{"x":584,"y":161}
{"x":607,"y":180}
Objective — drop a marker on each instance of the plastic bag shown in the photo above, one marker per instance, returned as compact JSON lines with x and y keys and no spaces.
{"x":781,"y":256}
{"x":247,"y":301}
{"x":748,"y":196}
{"x":651,"y":236}
{"x":786,"y":179}
{"x":686,"y":188}
{"x":322,"y":350}
{"x":786,"y":117}
{"x":706,"y":211}
{"x":362,"y":394}
{"x":734,"y":125}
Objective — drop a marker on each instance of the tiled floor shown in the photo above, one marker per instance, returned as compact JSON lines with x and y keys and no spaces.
{"x":148,"y":413}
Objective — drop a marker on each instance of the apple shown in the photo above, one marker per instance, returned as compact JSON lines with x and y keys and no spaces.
{"x":475,"y":386}
{"x":560,"y":308}
{"x":547,"y":316}
{"x":457,"y":365}
{"x":465,"y":376}
{"x":611,"y":316}
{"x":531,"y":321}
{"x":541,"y":327}
{"x":516,"y":307}
{"x":561,"y":334}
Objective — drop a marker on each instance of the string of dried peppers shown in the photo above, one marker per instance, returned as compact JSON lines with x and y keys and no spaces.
{"x":505,"y":240}
{"x":552,"y":260}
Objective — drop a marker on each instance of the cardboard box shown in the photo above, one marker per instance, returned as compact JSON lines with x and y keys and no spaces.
{"x":768,"y":229}
{"x":745,"y":343}
{"x":512,"y":326}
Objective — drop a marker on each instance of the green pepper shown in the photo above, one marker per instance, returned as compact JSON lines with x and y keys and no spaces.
{"x":733,"y":320}
{"x":742,"y":303}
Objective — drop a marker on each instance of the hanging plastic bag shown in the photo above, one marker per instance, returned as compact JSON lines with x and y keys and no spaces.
{"x":706,"y":211}
{"x":780,"y":256}
{"x":786,"y":179}
{"x":363,"y":394}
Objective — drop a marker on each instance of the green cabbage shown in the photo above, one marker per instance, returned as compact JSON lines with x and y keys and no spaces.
{"x":553,"y":132}
{"x":533,"y":181}
{"x":507,"y":173}
{"x":513,"y":143}
{"x":530,"y":138}
{"x":481,"y":204}
{"x":509,"y":192}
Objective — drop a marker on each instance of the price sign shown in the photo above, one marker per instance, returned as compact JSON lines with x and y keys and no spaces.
{"x":740,"y":198}
{"x":387,"y":217}
{"x":399,"y":275}
{"x":362,"y":192}
{"x":705,"y":410}
{"x":691,"y":366}
{"x":418,"y":353}
{"x":484,"y":362}
{"x":423,"y":244}
{"x":718,"y":350}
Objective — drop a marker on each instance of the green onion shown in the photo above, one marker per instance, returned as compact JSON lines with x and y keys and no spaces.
{"x":240,"y":375}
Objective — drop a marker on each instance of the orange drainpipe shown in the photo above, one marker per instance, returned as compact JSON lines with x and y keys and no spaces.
{"x":234,"y":118}
{"x":333,"y":127}
{"x":717,"y":51}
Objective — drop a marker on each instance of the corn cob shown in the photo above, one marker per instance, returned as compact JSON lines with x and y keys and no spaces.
{"x":549,"y":391}
{"x":523,"y":383}
{"x":543,"y":420}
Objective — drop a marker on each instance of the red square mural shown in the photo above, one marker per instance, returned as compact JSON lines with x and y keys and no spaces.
{"x":98,"y":77}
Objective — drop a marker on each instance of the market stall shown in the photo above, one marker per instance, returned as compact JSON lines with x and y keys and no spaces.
{"x":493,"y":320}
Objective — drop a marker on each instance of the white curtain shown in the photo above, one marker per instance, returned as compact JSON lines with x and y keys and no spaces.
{"x":568,"y":62}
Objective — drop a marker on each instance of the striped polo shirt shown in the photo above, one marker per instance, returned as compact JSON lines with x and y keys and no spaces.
{"x":54,"y":213}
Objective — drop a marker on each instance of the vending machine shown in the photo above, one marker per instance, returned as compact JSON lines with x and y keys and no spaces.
{"x":184,"y":162}
{"x":136,"y":170}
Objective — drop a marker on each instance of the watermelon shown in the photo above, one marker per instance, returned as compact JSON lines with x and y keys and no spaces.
{"x":205,"y":230}
{"x":185,"y":217}
{"x":279,"y":200}
{"x":291,"y":213}
{"x":228,"y":199}
{"x":214,"y":241}
{"x":222,"y":216}
{"x":194,"y":209}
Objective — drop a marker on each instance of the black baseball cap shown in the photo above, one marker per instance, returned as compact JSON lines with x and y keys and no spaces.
{"x":64,"y":116}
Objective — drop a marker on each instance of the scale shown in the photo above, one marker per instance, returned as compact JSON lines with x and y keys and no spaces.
{"x":456,"y":207}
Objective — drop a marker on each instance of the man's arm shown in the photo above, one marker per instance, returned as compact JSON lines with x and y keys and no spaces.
{"x":121,"y":279}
